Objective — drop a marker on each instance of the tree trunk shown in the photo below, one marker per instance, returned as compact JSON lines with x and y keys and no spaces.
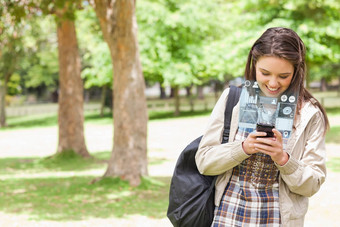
{"x":172,"y":92}
{"x":188,"y":91}
{"x":339,"y":87}
{"x":3,"y":92}
{"x":102,"y":100}
{"x":162,"y":92}
{"x":191,"y":98}
{"x":200,"y":93}
{"x":71,"y":101}
{"x":323,"y":84}
{"x":177,"y":100}
{"x":129,"y":155}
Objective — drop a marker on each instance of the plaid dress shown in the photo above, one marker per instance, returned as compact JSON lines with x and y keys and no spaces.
{"x":251,"y":197}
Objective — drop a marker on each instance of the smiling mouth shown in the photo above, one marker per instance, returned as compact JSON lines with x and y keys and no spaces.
{"x":273,"y":90}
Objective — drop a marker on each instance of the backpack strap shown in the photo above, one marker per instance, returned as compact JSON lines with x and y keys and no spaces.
{"x":233,"y":98}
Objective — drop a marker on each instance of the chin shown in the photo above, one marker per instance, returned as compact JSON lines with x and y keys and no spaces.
{"x":273,"y":95}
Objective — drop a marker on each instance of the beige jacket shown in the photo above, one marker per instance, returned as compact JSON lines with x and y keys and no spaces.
{"x":300,"y":177}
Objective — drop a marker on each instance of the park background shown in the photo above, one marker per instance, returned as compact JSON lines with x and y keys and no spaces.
{"x":66,"y":87}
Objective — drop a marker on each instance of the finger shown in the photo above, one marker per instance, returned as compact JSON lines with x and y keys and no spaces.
{"x":257,"y":134}
{"x":277,"y":134}
{"x":263,"y":151}
{"x":262,"y":147}
{"x":269,"y":141}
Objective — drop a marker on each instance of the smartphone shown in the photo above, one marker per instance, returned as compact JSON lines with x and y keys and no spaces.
{"x":265,"y":128}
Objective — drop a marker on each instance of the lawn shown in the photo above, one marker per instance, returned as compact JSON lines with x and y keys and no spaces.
{"x":61,"y":188}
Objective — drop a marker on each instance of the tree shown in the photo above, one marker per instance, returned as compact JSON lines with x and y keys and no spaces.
{"x":70,"y":119}
{"x":119,"y":26}
{"x":11,"y":48}
{"x":70,"y":113}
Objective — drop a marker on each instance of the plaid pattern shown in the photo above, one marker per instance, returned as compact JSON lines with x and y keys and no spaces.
{"x":251,"y":197}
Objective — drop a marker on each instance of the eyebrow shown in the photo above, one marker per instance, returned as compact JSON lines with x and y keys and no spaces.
{"x":288,"y":73}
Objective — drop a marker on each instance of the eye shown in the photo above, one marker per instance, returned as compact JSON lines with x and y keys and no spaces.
{"x":284,"y":77}
{"x":265,"y":73}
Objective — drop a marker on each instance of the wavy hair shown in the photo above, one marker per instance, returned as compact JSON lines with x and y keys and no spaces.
{"x":284,"y":43}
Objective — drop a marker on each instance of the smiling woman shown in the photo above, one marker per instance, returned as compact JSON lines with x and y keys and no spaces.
{"x":267,"y":181}
{"x":273,"y":75}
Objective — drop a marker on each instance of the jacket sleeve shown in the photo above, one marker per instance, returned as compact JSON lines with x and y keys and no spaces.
{"x":305,"y":176}
{"x":212,"y":157}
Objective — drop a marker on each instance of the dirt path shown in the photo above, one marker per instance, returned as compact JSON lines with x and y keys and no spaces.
{"x":166,"y":139}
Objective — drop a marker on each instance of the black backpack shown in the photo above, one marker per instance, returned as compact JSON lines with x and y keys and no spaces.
{"x":191,"y":198}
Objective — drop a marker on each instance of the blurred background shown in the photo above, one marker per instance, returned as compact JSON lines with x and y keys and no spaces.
{"x":190,"y":50}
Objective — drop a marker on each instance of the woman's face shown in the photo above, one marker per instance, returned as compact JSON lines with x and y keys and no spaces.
{"x":273,"y":75}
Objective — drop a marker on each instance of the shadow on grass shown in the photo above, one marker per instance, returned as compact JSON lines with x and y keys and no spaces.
{"x":73,"y":198}
{"x":68,"y":161}
{"x":31,"y":121}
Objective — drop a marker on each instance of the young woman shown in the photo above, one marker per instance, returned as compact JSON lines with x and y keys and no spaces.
{"x":262,"y":181}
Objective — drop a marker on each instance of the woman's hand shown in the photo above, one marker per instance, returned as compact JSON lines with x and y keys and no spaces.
{"x":249,"y":144}
{"x":273,"y":147}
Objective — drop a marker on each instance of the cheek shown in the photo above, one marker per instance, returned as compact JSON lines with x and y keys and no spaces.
{"x":257,"y":76}
{"x":287,"y":82}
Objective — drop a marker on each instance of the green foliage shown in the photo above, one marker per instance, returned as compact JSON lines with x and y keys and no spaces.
{"x":11,"y":44}
{"x":98,"y":71}
{"x":97,"y":64}
{"x":181,"y":42}
{"x":13,"y":85}
{"x":32,"y":55}
{"x":41,"y":67}
{"x":173,"y":36}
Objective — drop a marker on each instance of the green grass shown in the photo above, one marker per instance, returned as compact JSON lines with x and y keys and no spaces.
{"x":74,"y":198}
{"x":333,"y":111}
{"x":47,"y":120}
{"x":31,"y":121}
{"x":71,"y":196}
{"x":334,"y":164}
{"x":333,"y":135}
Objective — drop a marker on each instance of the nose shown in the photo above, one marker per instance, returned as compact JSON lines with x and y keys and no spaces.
{"x":273,"y":82}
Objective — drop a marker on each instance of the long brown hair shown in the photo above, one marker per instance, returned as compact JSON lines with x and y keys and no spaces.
{"x":284,"y":43}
